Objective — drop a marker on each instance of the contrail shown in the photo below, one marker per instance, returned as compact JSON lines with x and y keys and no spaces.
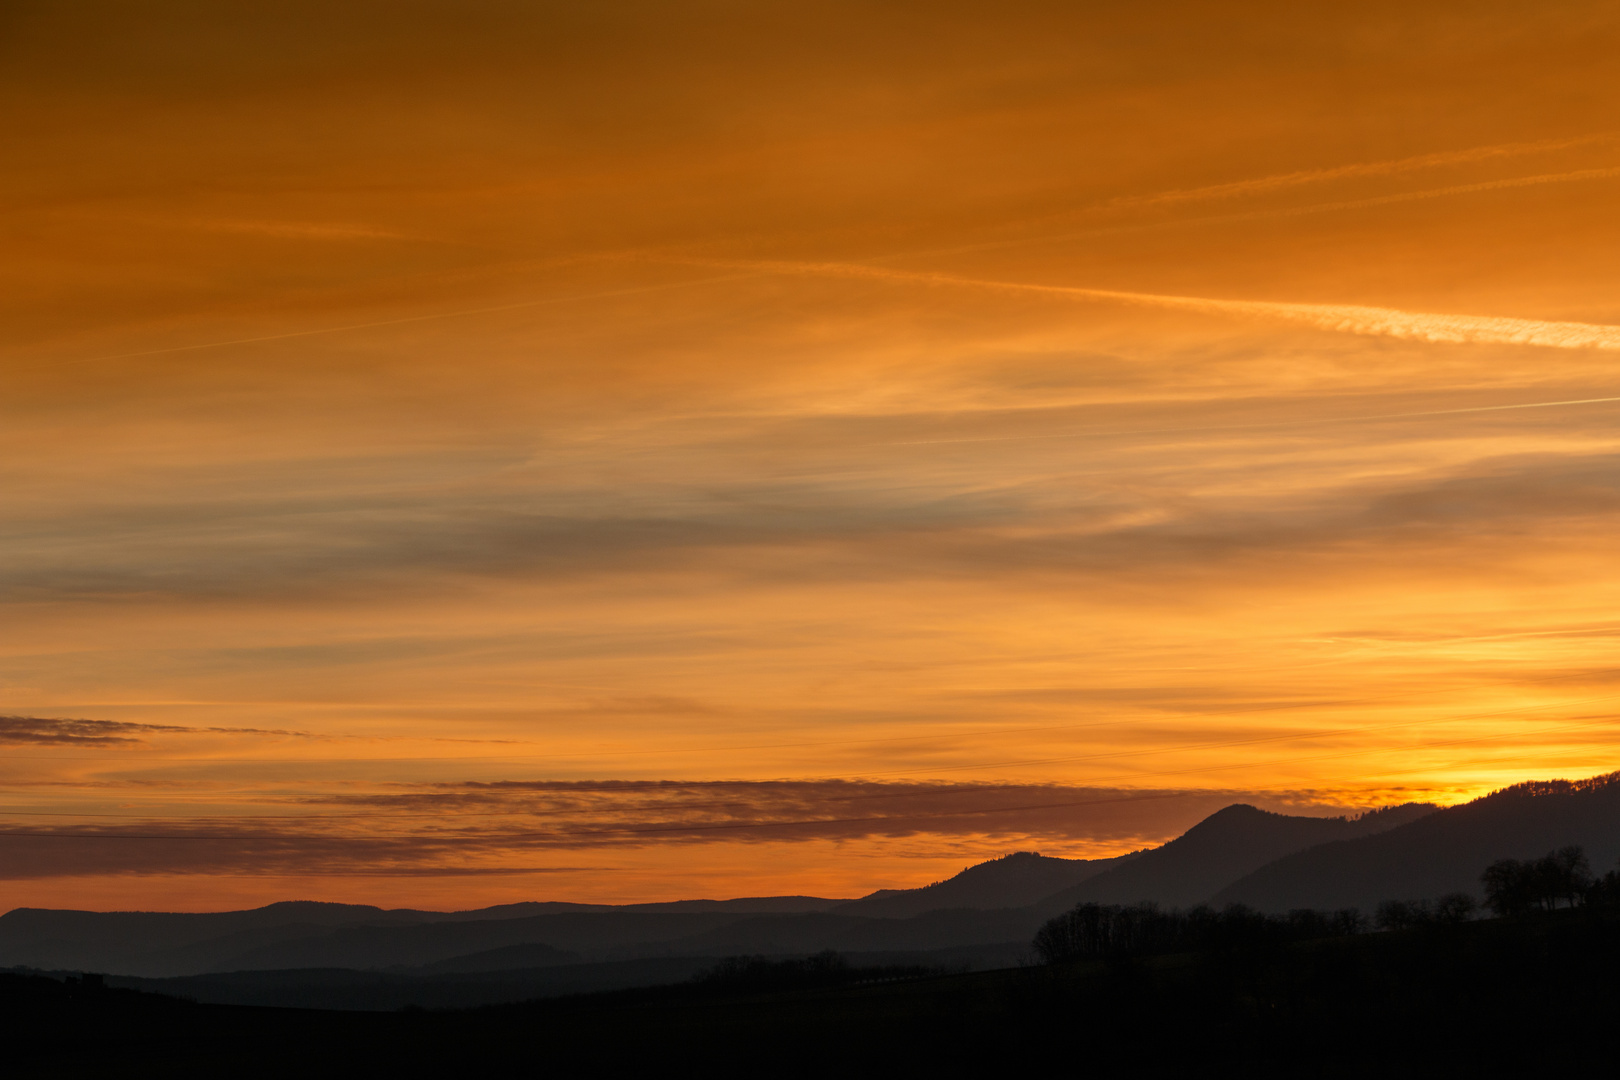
{"x":1407,"y":196}
{"x":1391,"y":322}
{"x":1386,"y":322}
{"x":1342,"y":318}
{"x":1260,"y":185}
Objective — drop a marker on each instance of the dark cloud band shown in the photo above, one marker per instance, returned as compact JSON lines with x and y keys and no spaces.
{"x":477,"y":828}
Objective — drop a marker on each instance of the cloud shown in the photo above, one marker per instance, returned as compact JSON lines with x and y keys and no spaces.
{"x":801,"y":531}
{"x":210,"y":849}
{"x":501,"y":827}
{"x":1393,"y":525}
{"x":41,"y":731}
{"x":52,"y":731}
{"x":634,"y":812}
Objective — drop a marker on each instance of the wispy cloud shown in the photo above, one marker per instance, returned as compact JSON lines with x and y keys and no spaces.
{"x":353,"y":544}
{"x":42,"y":731}
{"x":53,"y":731}
{"x":483,"y":828}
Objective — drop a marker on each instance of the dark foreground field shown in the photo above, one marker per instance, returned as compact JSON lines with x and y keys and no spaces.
{"x":1535,"y":996}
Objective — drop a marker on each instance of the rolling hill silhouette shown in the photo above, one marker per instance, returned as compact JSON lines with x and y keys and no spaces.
{"x":125,"y":940}
{"x":1017,"y":880}
{"x":1218,"y":851}
{"x":304,"y":934}
{"x":1442,"y":852}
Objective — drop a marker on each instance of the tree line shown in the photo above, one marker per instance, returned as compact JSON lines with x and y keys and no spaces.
{"x":1512,"y":888}
{"x":1561,"y":878}
{"x":1091,"y":931}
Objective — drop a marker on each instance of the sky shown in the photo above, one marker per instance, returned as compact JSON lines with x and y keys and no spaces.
{"x":453,"y":454}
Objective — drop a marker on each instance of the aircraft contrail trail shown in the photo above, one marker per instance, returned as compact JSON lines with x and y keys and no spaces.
{"x":1343,"y":318}
{"x":1266,"y":184}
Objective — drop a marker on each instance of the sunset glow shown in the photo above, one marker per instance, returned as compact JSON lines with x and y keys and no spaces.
{"x":457,"y":454}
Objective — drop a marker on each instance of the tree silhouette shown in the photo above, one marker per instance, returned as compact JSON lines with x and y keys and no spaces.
{"x":1516,"y":887}
{"x":1404,"y":914}
{"x":1096,"y":931}
{"x":1604,"y":892}
{"x":1454,"y":908}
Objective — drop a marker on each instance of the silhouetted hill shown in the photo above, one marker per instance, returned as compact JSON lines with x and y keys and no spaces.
{"x":1218,"y":851}
{"x":445,"y":986}
{"x":1012,"y":881}
{"x":597,"y":934}
{"x":111,"y":940}
{"x":1442,"y":852}
{"x":796,"y":934}
{"x":505,"y":958}
{"x":747,"y":905}
{"x":470,"y":946}
{"x":301,"y":934}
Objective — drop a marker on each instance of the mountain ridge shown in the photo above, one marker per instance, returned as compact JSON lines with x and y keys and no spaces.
{"x":1221,"y":849}
{"x":1443,"y":852}
{"x":1017,"y":879}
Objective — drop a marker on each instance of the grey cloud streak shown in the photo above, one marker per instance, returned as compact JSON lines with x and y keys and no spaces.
{"x":826,"y":534}
{"x":55,"y":731}
{"x":474,"y":828}
{"x":45,"y":731}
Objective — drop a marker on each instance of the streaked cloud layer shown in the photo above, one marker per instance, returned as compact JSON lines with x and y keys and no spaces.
{"x":456,"y":454}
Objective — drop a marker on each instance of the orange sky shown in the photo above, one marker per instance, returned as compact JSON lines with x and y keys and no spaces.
{"x":460,"y":453}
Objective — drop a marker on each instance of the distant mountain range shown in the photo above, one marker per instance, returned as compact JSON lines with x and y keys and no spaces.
{"x":984,"y":916}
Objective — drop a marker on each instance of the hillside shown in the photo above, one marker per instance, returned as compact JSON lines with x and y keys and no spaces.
{"x":302,"y":934}
{"x":1219,"y":850}
{"x":1442,"y":852}
{"x":1017,"y":880}
{"x":472,"y":946}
